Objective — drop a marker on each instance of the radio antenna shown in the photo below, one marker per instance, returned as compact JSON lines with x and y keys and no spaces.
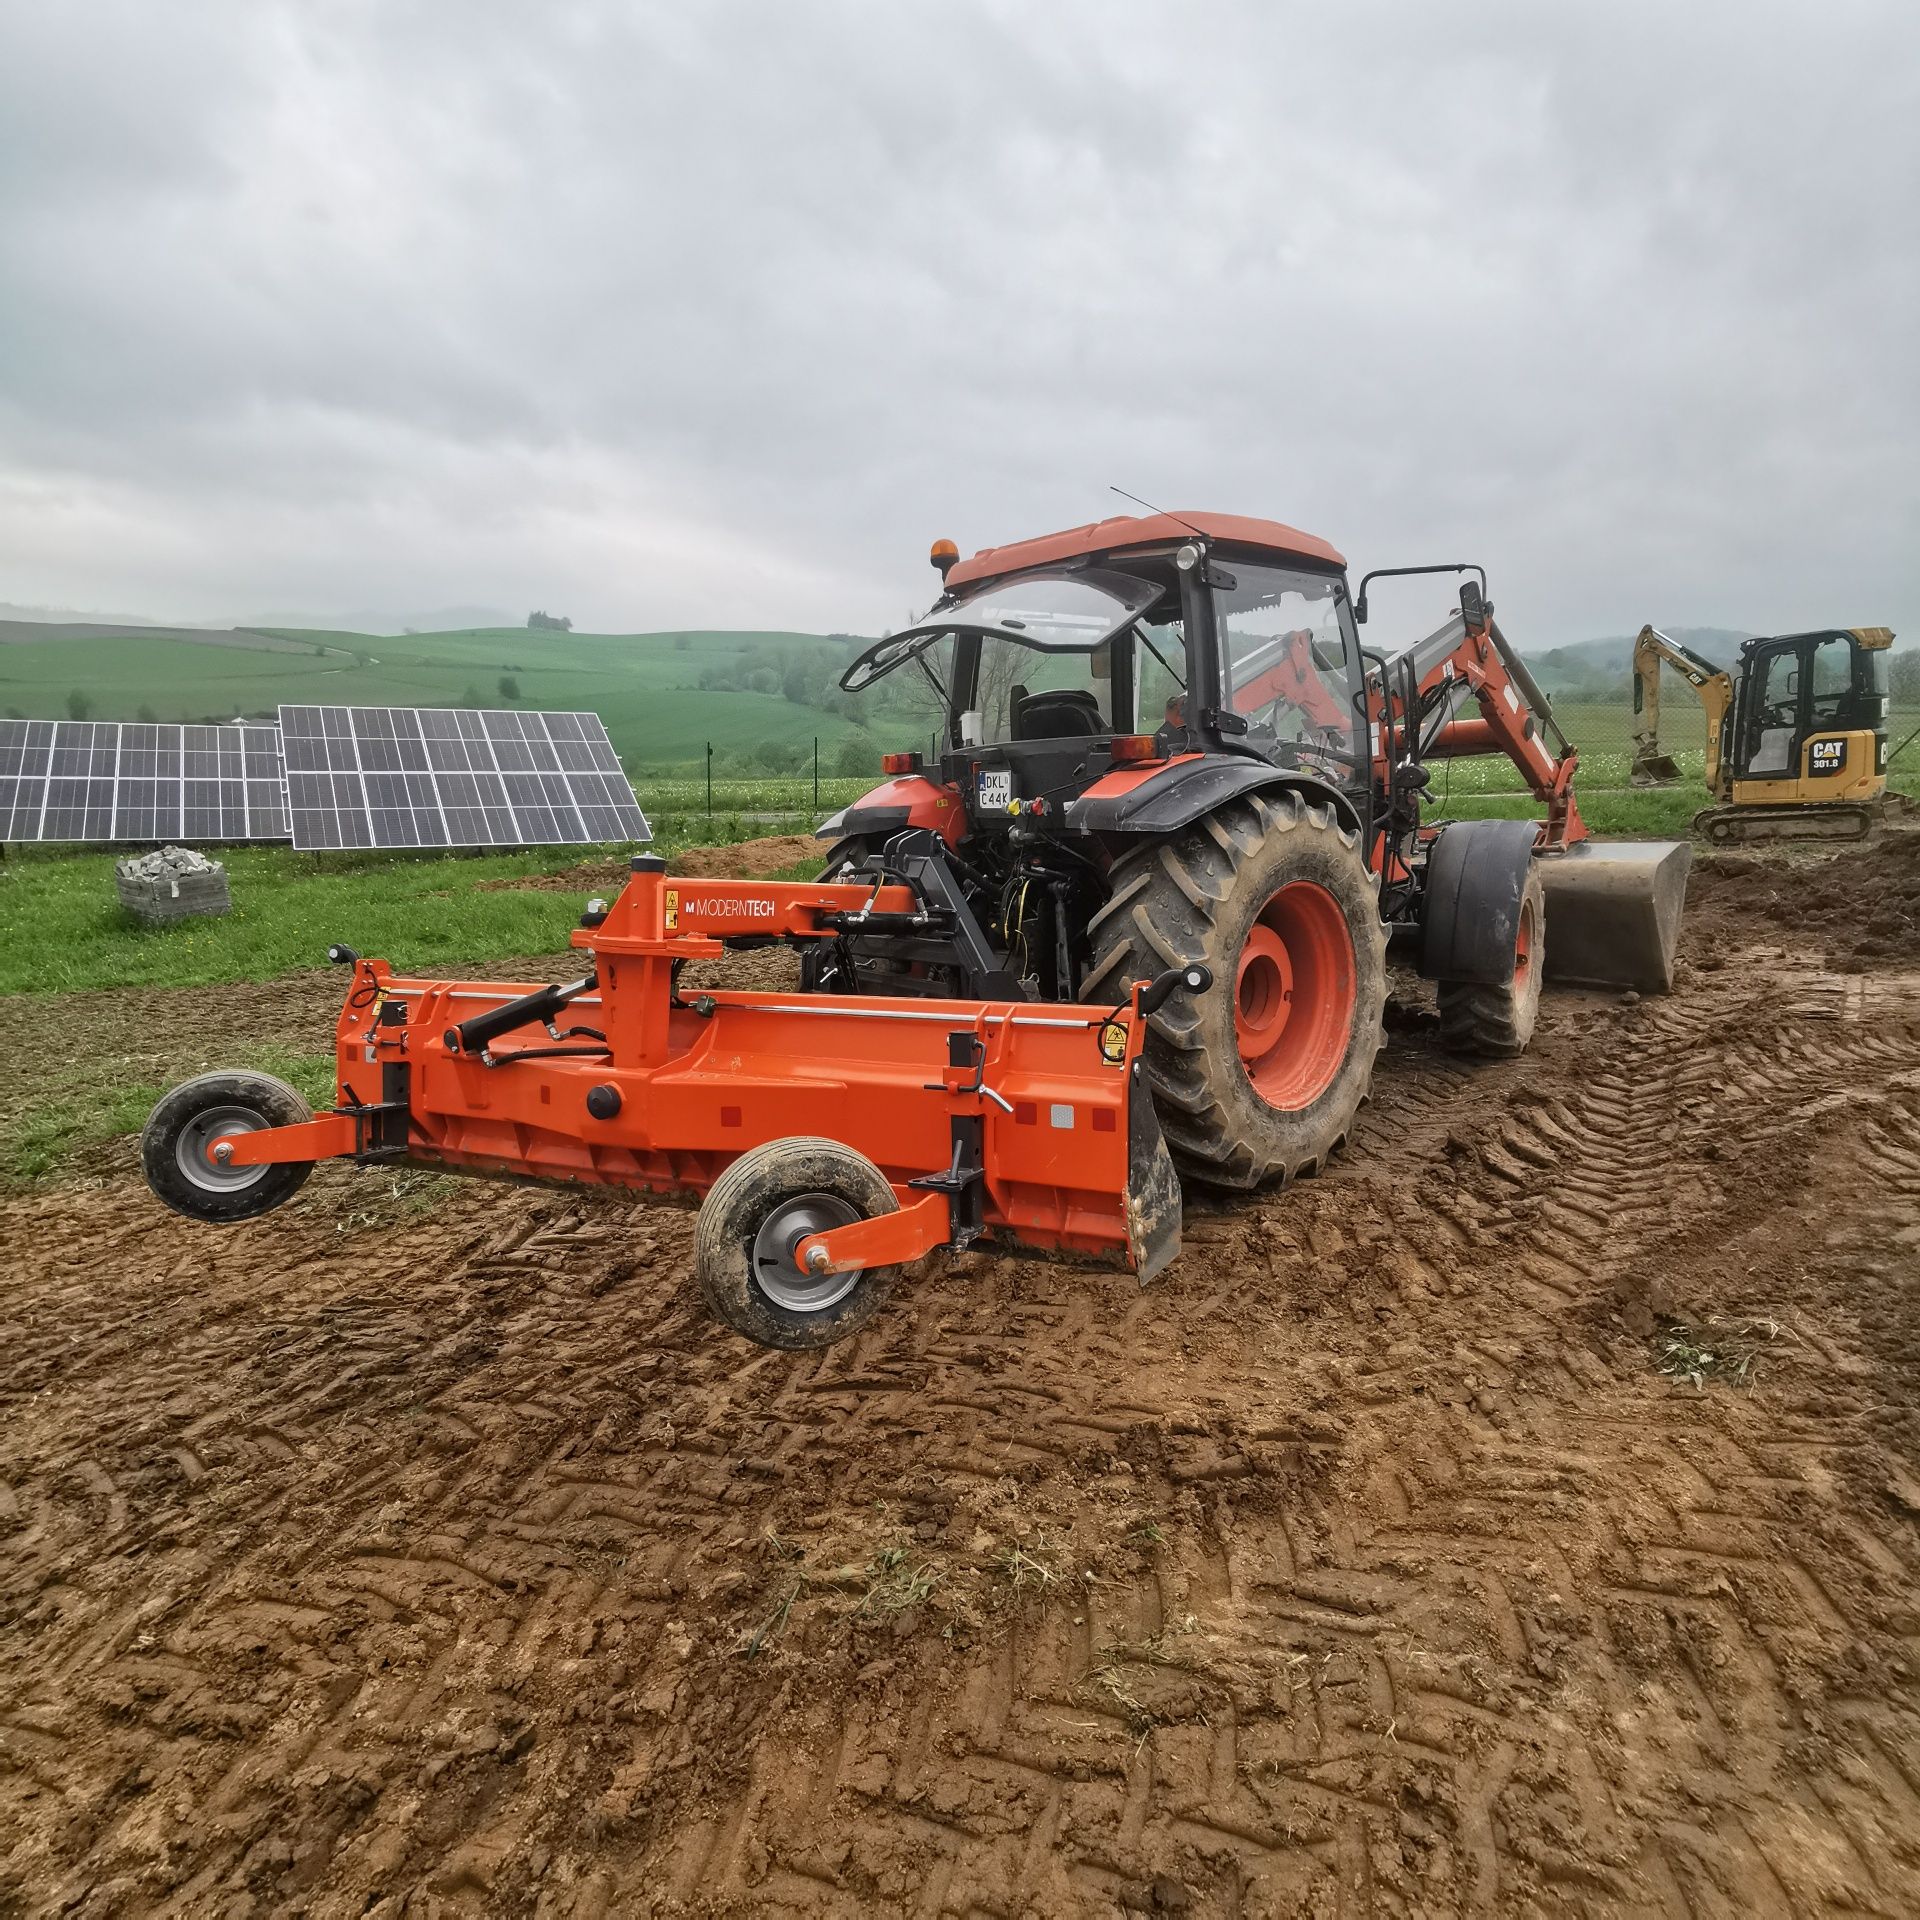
{"x":1161,"y":511}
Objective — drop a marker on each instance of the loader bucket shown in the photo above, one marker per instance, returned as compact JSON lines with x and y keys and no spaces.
{"x":1613,"y":912}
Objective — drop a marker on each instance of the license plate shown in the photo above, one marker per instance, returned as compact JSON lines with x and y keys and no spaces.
{"x":996,"y":789}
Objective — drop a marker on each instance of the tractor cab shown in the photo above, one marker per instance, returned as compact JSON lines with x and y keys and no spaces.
{"x":1041,"y":681}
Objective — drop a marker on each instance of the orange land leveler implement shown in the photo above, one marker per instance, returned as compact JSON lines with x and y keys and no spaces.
{"x":834,"y":1137}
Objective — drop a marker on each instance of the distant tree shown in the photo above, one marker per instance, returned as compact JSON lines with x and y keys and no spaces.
{"x":857,"y":757}
{"x":14,"y":713}
{"x":793,"y":683}
{"x":509,"y":687}
{"x":549,"y":623}
{"x":1903,"y":677}
{"x":681,"y":642}
{"x":79,"y":706}
{"x":473,"y":697}
{"x":147,"y":715}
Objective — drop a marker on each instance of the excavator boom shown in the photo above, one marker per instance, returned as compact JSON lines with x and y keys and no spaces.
{"x":1651,"y":767}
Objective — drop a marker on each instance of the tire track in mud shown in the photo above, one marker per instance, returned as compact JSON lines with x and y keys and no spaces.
{"x":1376,"y":1570}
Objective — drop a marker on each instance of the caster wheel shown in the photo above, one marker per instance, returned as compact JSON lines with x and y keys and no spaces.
{"x":758,"y":1212}
{"x":175,"y":1147}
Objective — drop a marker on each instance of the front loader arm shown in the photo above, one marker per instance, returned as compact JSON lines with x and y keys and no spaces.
{"x":1515,"y":717}
{"x":1713,"y":684}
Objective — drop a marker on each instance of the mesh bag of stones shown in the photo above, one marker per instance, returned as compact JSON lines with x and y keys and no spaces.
{"x":174,"y":883}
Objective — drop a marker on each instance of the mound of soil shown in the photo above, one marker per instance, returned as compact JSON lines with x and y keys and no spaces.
{"x":1857,"y":910}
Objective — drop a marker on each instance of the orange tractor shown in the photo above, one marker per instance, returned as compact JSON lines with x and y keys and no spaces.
{"x":1128,"y":921}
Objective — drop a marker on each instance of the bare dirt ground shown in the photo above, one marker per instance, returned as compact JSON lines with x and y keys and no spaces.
{"x":1369,"y":1563}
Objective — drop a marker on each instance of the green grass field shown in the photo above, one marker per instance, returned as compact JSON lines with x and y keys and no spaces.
{"x":644,"y":686}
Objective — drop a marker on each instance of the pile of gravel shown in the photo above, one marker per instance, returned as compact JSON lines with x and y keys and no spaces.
{"x":173,"y":883}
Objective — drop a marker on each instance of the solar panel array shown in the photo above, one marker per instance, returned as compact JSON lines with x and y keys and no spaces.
{"x":352,"y":777}
{"x":104,"y":780}
{"x":453,"y":777}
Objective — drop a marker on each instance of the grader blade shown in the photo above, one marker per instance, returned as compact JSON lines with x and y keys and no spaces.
{"x":1613,"y":912}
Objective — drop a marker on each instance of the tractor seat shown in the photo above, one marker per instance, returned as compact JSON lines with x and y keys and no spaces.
{"x":1067,"y":713}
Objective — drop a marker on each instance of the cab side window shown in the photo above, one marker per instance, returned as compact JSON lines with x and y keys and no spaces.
{"x":1832,"y":678}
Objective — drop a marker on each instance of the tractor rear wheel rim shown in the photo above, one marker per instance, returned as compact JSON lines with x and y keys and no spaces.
{"x":779,"y":1275}
{"x":1523,"y":948}
{"x":193,"y":1150}
{"x":1295,"y":988}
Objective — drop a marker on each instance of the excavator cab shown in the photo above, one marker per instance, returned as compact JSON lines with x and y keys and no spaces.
{"x":1809,"y":719}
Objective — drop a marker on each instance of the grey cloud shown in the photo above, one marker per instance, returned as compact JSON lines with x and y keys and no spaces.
{"x":718,"y":314}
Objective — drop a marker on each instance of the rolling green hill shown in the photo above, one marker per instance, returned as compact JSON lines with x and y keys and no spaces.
{"x":767,"y":695}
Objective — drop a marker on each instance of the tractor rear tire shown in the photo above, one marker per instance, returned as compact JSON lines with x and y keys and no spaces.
{"x":1498,"y":1021}
{"x":769,"y":1200}
{"x":188,"y":1121}
{"x":1260,"y":1077}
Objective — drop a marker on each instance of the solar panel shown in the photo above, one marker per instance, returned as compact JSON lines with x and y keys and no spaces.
{"x":25,"y":748}
{"x":80,"y":781}
{"x":329,"y":777}
{"x":101,"y":780}
{"x":264,"y":783}
{"x":453,"y":777}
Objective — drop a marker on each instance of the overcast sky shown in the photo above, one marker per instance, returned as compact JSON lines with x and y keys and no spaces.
{"x":717,"y":314}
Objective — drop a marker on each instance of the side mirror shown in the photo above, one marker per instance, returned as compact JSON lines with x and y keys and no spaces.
{"x":1473,"y":606}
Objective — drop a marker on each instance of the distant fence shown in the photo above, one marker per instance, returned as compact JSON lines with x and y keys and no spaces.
{"x":1601,"y":730}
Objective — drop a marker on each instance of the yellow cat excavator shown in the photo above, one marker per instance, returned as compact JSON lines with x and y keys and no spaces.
{"x":1796,"y":733}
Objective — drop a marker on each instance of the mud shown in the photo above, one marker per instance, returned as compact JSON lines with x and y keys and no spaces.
{"x":1857,"y":910}
{"x":1367,"y":1563}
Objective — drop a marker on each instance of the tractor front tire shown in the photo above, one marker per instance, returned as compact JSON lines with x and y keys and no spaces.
{"x":753,"y":1217}
{"x":173,"y":1146}
{"x":1498,"y":1021}
{"x":1259,"y":1078}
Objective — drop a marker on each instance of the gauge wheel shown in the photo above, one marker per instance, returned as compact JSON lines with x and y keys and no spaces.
{"x":758,"y":1212}
{"x":176,"y":1146}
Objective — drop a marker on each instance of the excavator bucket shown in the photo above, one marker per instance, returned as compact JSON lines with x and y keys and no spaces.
{"x":1654,"y":770}
{"x":1613,"y":912}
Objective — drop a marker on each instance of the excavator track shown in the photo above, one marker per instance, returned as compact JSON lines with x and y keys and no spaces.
{"x":1752,"y":826}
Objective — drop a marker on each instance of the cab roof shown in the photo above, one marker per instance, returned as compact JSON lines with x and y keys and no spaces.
{"x":1126,"y":530}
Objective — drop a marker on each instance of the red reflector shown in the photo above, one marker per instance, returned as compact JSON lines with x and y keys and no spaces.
{"x":899,"y":763}
{"x":1025,"y":1113}
{"x":1105,"y":1120}
{"x":729,"y":1116}
{"x":1133,"y":746}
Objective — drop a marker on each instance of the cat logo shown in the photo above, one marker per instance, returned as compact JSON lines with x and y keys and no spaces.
{"x":1826,"y":756}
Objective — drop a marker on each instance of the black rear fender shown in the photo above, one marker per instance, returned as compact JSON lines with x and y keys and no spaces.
{"x":1178,"y":795}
